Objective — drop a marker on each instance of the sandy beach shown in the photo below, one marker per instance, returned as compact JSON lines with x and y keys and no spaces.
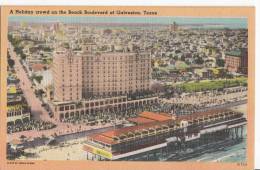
{"x":71,"y":150}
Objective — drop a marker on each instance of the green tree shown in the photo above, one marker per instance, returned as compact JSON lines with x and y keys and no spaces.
{"x":38,"y":78}
{"x":182,"y":58}
{"x":199,"y":60}
{"x":220,"y":62}
{"x":23,"y":56}
{"x":11,"y":62}
{"x":176,"y":57}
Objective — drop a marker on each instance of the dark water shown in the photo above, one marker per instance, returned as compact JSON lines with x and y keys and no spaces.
{"x":235,"y":153}
{"x":230,"y":154}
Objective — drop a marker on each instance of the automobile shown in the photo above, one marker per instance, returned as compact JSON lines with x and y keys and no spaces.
{"x":50,"y":114}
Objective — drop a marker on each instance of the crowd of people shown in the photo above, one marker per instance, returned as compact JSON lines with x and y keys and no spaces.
{"x":195,"y":101}
{"x":121,"y":115}
{"x":29,"y":125}
{"x":184,"y":104}
{"x":104,"y":117}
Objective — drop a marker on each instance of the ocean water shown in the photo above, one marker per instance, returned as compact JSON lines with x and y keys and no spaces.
{"x":235,"y":153}
{"x":238,"y":22}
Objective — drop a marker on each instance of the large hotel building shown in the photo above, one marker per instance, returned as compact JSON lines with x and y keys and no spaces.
{"x":67,"y":75}
{"x":98,"y":80}
{"x":115,"y":73}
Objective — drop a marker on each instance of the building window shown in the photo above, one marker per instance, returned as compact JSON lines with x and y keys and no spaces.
{"x":61,"y":108}
{"x":67,"y":107}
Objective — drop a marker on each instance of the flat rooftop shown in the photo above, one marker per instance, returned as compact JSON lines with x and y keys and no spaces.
{"x":140,"y":120}
{"x":160,"y":117}
{"x":144,"y":121}
{"x":150,"y":117}
{"x":109,"y":136}
{"x":149,"y":121}
{"x":197,"y":115}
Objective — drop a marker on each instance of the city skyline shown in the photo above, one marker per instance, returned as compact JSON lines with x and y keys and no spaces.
{"x":224,"y":22}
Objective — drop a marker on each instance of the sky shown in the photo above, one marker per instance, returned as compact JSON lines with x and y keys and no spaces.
{"x":227,"y":22}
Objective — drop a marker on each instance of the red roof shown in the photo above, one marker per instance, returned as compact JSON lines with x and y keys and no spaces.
{"x":118,"y":132}
{"x":125,"y":130}
{"x":103,"y":139}
{"x":145,"y":120}
{"x":140,"y":120}
{"x":200,"y":114}
{"x":152,"y":120}
{"x":155,"y":116}
{"x":37,"y":67}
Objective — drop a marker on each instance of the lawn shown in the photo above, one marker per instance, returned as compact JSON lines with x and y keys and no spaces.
{"x":212,"y":84}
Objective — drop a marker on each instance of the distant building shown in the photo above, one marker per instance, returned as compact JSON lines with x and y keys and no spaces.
{"x":174,"y":27}
{"x":237,"y":61}
{"x":204,"y":73}
{"x":17,"y":109}
{"x":210,"y":50}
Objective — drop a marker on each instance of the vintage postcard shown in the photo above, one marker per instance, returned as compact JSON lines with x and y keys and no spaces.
{"x":127,"y":87}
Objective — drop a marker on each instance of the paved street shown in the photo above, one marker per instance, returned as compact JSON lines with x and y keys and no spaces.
{"x":60,"y":130}
{"x":38,"y":112}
